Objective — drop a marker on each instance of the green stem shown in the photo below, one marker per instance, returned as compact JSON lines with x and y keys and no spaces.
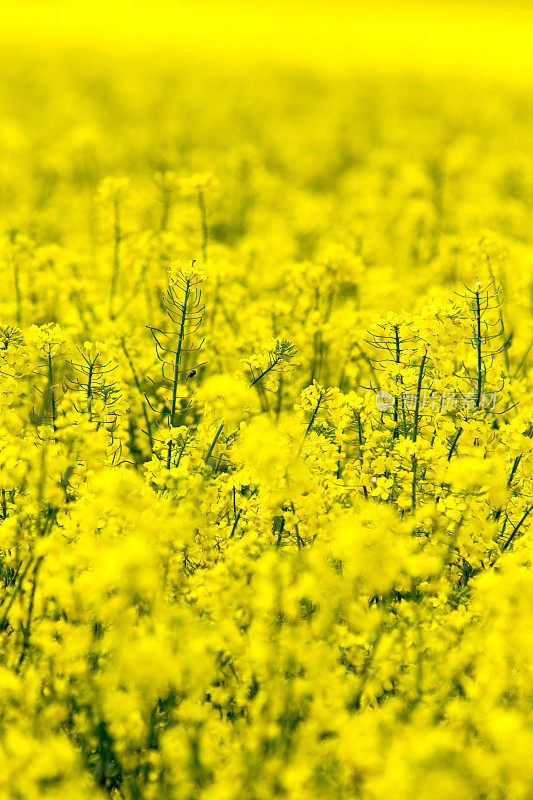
{"x":213,"y":443}
{"x":203,"y":219}
{"x":417,"y":397}
{"x":396,"y":432}
{"x":51,"y":390}
{"x":18,"y":294}
{"x":454,"y":443}
{"x":138,"y":387}
{"x":517,"y":528}
{"x":478,"y":347}
{"x":177,"y":359}
{"x":265,"y":371}
{"x":116,"y":256}
{"x":311,"y":422}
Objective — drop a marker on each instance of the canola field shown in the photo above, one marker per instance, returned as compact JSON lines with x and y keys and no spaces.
{"x":266,"y":423}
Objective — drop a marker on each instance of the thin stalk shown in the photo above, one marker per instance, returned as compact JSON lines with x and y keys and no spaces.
{"x":310,"y":423}
{"x":417,"y":397}
{"x":117,"y":238}
{"x":279,"y":401}
{"x":478,"y":348}
{"x":515,"y":467}
{"x":18,"y":293}
{"x":236,"y":522}
{"x":523,"y":360}
{"x":165,"y":209}
{"x":51,"y":391}
{"x":360,"y":432}
{"x":299,"y":540}
{"x":396,"y":432}
{"x":369,"y":363}
{"x":213,"y":443}
{"x":454,"y":443}
{"x":517,"y":528}
{"x":138,"y":387}
{"x":215,"y":307}
{"x":182,"y":448}
{"x":367,"y":663}
{"x":16,"y":591}
{"x":90,"y":389}
{"x":270,"y":367}
{"x":177,"y":359}
{"x":239,"y":513}
{"x":26,"y":631}
{"x":203,"y":219}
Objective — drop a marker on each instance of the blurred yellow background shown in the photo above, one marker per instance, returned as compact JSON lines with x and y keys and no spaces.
{"x":481,"y":36}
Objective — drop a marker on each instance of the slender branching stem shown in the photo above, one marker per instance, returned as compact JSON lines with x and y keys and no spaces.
{"x":517,"y":528}
{"x":18,"y":293}
{"x":203,"y":220}
{"x":266,"y":371}
{"x":513,"y":470}
{"x":396,"y":432}
{"x":177,"y":361}
{"x":454,"y":443}
{"x":117,"y":238}
{"x":139,"y":389}
{"x":213,"y":443}
{"x":417,"y":396}
{"x":478,"y":350}
{"x":311,"y":422}
{"x":51,"y":391}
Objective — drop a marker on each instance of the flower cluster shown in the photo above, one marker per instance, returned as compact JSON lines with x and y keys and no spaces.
{"x":266,"y":463}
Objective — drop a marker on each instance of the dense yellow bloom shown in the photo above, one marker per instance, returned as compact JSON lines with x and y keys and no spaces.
{"x":266,"y":438}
